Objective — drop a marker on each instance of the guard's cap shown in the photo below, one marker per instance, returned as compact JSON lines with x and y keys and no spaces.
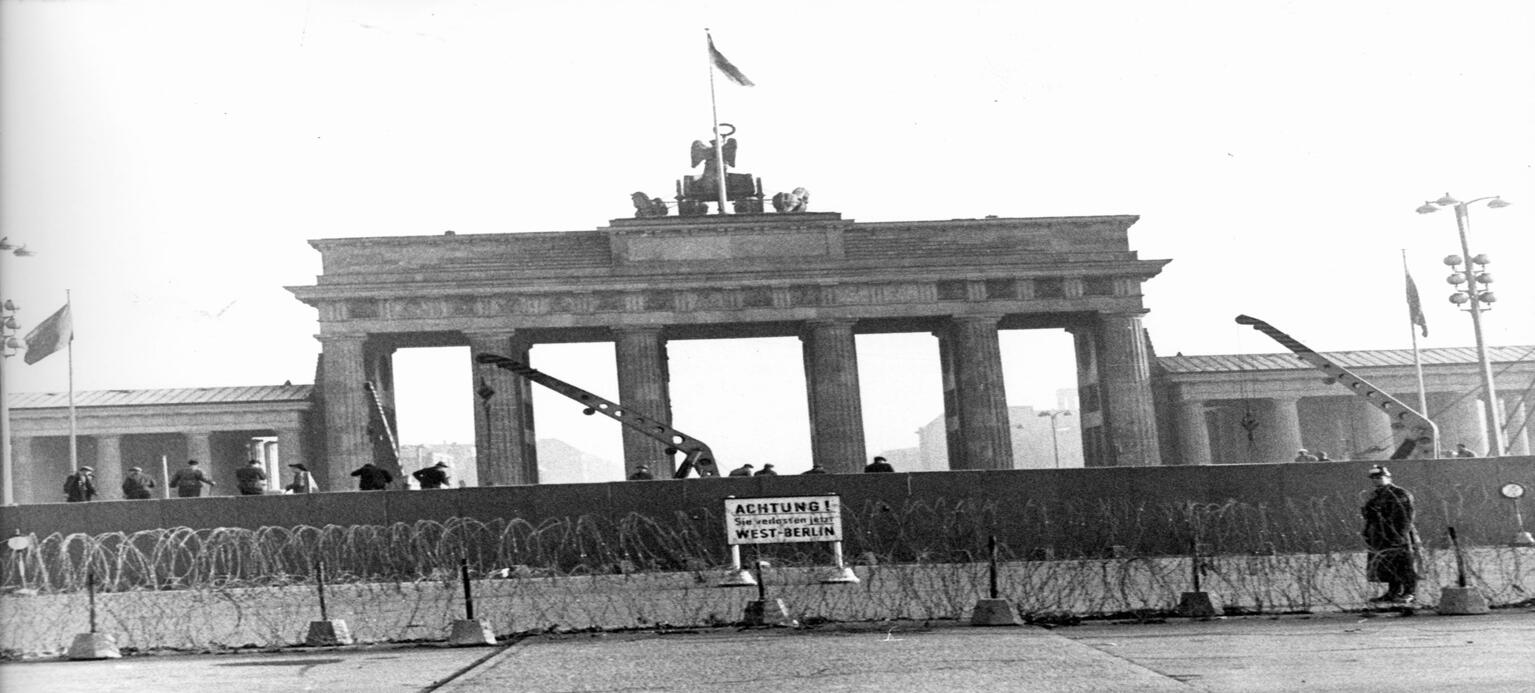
{"x":1379,"y":470}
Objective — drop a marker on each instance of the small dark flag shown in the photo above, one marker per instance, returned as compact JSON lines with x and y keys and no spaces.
{"x":1414,"y":306}
{"x":49,"y":336}
{"x":725,"y":66}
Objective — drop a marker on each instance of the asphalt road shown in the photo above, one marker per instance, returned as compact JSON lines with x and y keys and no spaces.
{"x":1330,"y":652}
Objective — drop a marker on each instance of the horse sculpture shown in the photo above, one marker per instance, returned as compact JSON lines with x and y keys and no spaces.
{"x":797,"y":201}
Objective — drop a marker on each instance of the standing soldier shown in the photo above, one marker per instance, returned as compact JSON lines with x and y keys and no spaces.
{"x":1391,"y":538}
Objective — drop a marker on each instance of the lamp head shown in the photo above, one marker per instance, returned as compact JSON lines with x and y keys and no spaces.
{"x":1427,"y":208}
{"x":1451,"y":260}
{"x":1446,"y":201}
{"x":1498,"y":203}
{"x":1481,"y":259}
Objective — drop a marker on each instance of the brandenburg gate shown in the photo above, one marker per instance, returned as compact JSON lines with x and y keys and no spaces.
{"x":643,"y":282}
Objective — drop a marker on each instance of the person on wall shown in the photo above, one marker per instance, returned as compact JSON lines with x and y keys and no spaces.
{"x":189,"y":480}
{"x":371,"y":477}
{"x":303,"y":481}
{"x":435,"y":476}
{"x":251,"y":479}
{"x":879,"y":465}
{"x":137,"y":485}
{"x":80,"y":487}
{"x":1391,"y":538}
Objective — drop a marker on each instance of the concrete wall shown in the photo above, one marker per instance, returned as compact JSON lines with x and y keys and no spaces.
{"x":1070,"y":511}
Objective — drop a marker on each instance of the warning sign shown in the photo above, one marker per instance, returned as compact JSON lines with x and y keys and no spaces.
{"x":783,"y":520}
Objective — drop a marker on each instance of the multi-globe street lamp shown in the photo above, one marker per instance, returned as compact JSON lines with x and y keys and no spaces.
{"x":1471,"y":280}
{"x":9,"y":346}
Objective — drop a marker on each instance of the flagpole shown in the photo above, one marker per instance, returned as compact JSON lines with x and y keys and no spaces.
{"x":8,"y":491}
{"x":1417,"y":359}
{"x":74,"y":451}
{"x":714,"y":112}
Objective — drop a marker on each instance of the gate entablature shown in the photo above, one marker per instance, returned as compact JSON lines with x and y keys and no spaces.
{"x":739,"y":268}
{"x":748,"y":275}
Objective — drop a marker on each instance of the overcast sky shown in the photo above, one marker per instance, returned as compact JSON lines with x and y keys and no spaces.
{"x":168,"y":162}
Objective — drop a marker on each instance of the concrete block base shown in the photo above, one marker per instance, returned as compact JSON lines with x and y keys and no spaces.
{"x":738,"y":578}
{"x":466,"y":632}
{"x":994,"y":612}
{"x":94,"y":646}
{"x":764,"y":613}
{"x":1197,"y":605}
{"x":326,"y":633}
{"x":1461,"y":601}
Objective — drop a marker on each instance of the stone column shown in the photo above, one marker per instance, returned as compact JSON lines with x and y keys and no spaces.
{"x":24,"y":475}
{"x":1278,"y":435}
{"x":384,"y":426}
{"x":975,"y":357}
{"x":836,"y":405}
{"x":1518,"y":432}
{"x":1371,"y":428}
{"x":1125,"y":378}
{"x":506,"y":449}
{"x":271,"y":464}
{"x":1089,"y":398}
{"x":347,"y":411}
{"x":1193,"y":432}
{"x":109,"y":467}
{"x":290,"y":450}
{"x":640,"y":353}
{"x":1460,"y":418}
{"x":951,"y":413}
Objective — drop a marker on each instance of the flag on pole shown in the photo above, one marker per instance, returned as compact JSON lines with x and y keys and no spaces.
{"x":1414,"y":306}
{"x":51,"y":335}
{"x":725,"y":66}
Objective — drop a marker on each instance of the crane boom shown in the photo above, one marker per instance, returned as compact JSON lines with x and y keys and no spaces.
{"x":1417,"y":429}
{"x":697,"y":454}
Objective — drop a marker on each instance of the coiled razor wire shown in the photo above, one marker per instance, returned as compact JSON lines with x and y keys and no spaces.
{"x":180,"y":588}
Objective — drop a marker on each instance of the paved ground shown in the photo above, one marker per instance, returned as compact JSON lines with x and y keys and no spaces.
{"x":1332,"y":652}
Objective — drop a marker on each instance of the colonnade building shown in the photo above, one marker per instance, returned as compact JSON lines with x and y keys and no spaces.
{"x":1265,"y":408}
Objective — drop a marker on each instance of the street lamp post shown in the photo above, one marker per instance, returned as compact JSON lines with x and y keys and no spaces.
{"x":1055,"y":435}
{"x":1471,"y":271}
{"x":8,"y":348}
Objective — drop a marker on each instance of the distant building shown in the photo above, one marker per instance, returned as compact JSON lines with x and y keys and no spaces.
{"x":1033,"y":445}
